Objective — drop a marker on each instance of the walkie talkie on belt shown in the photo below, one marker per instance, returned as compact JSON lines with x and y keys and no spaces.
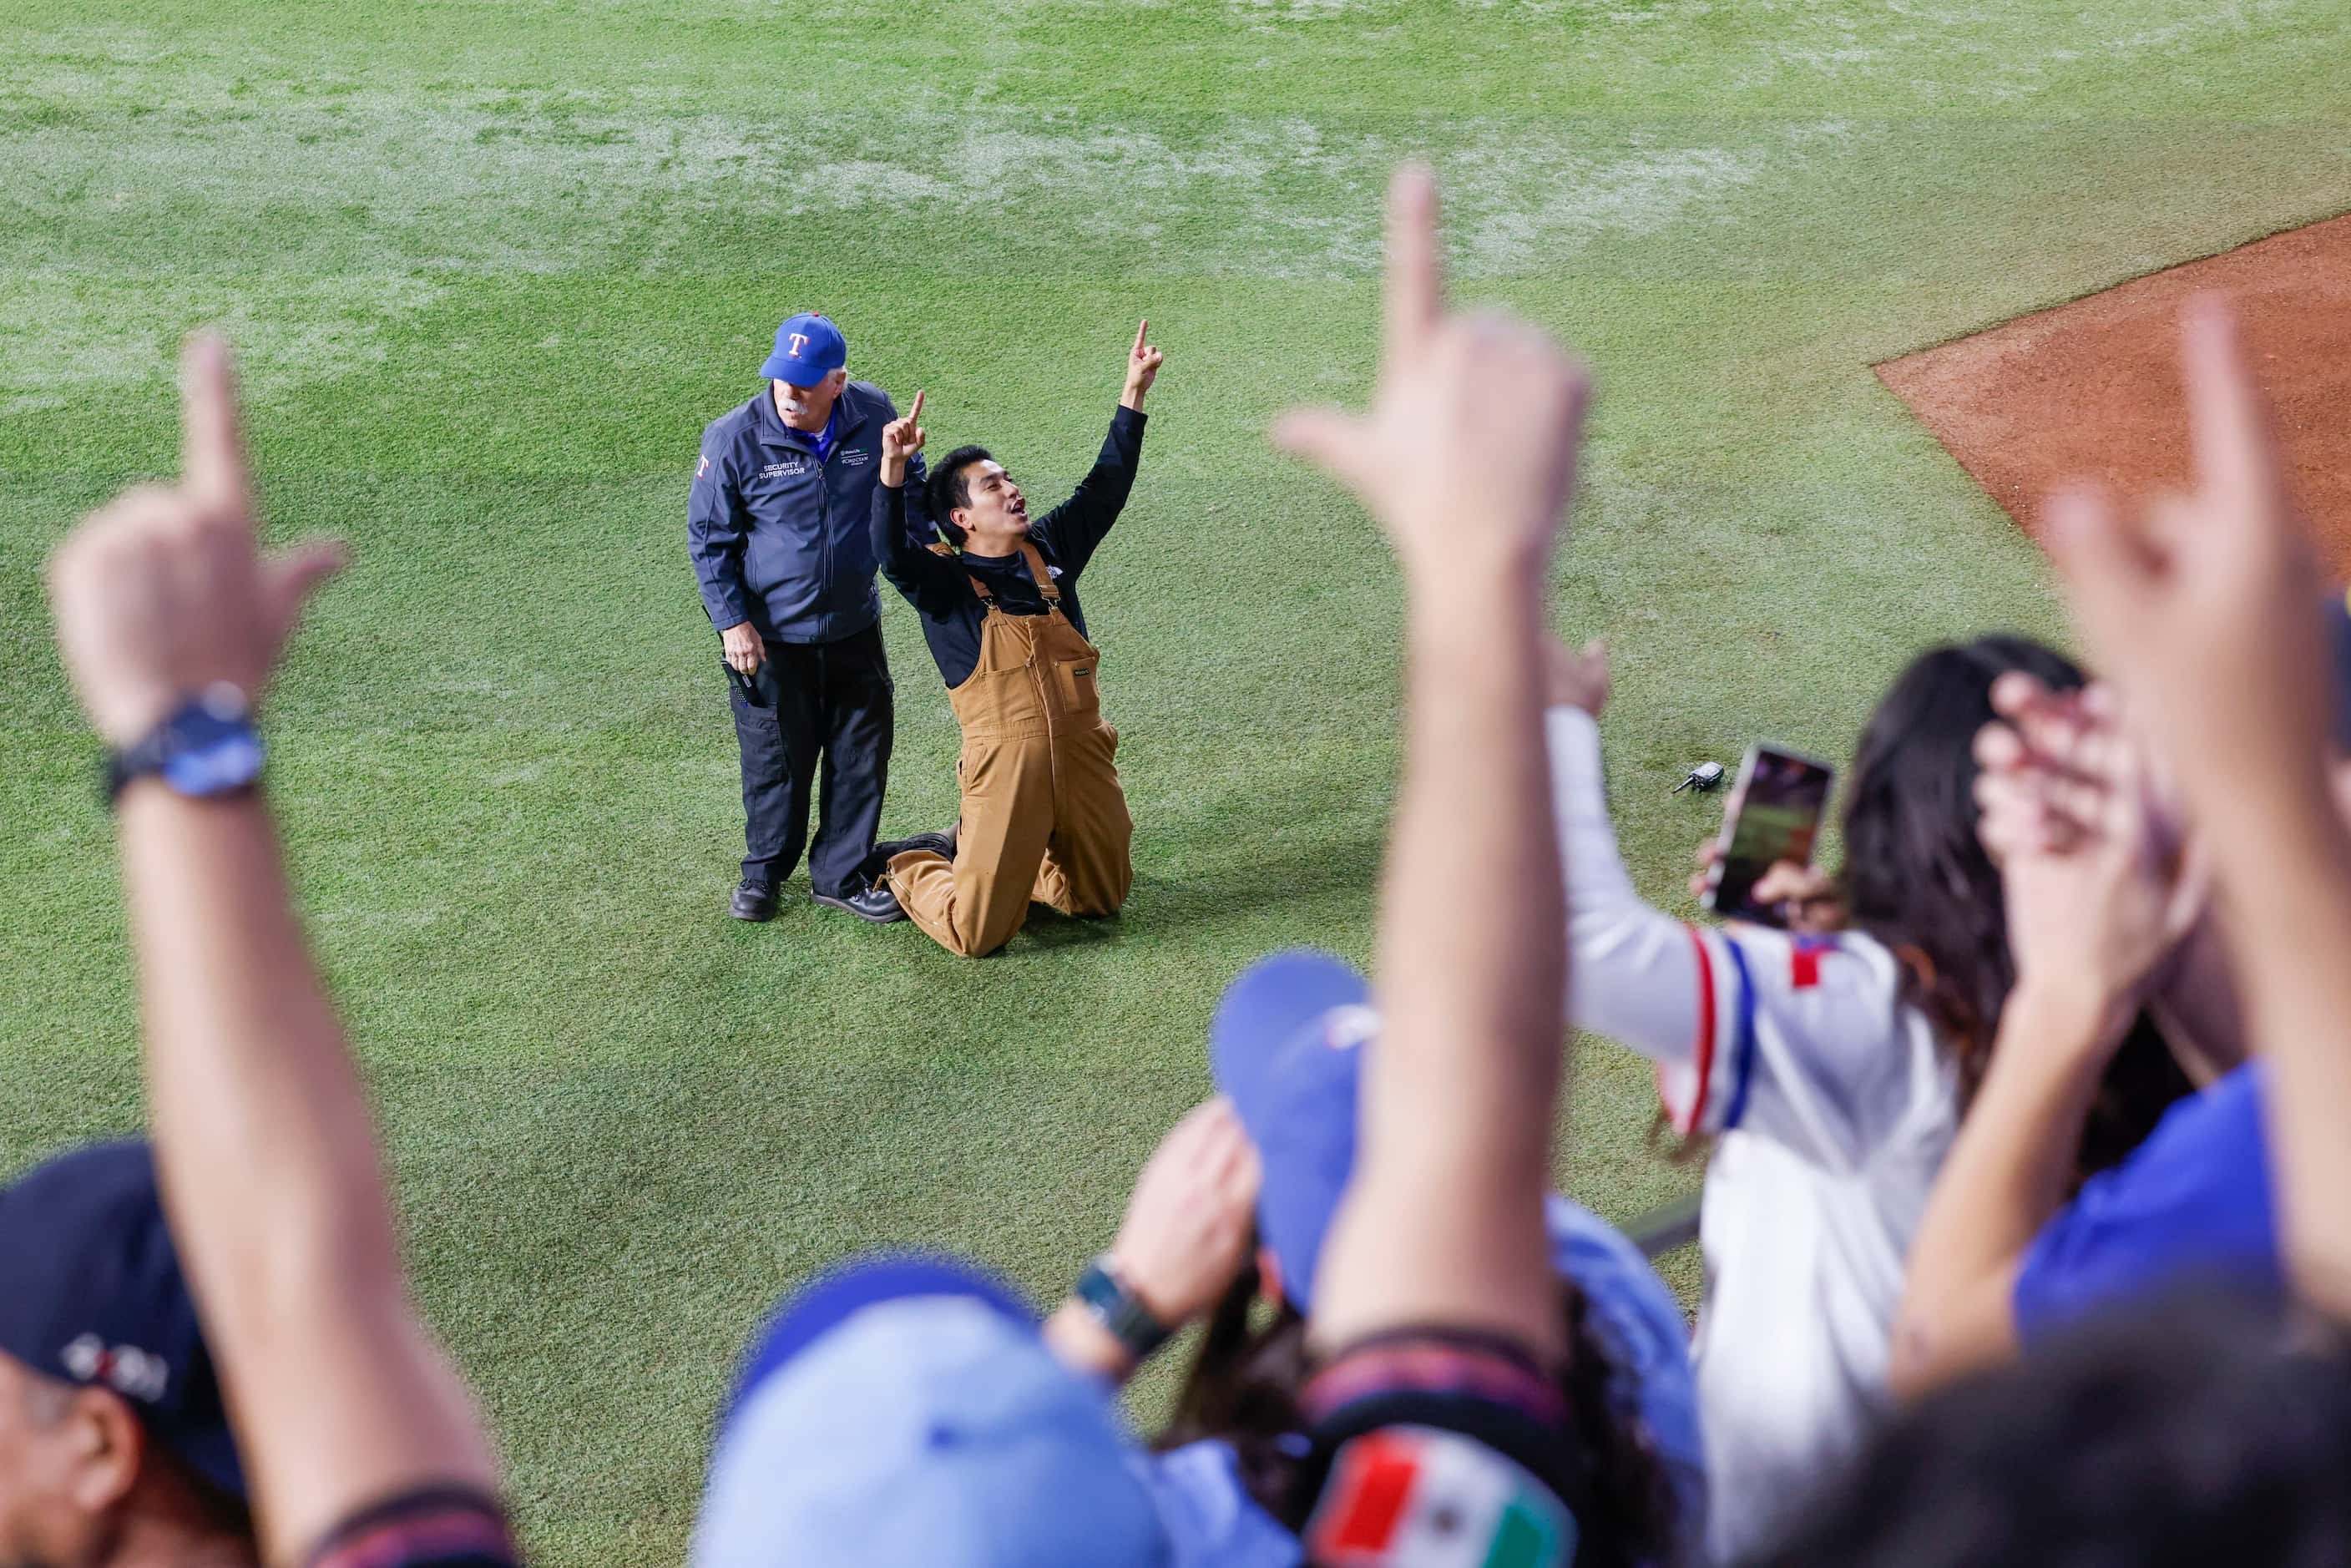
{"x":748,"y":684}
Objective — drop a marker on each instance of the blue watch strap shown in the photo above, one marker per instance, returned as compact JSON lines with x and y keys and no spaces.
{"x":1119,"y":1309}
{"x":207,"y":746}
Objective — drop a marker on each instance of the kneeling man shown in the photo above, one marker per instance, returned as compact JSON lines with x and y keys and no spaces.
{"x":1043,"y":817}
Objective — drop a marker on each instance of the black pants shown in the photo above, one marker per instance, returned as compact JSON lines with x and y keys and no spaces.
{"x":814,"y":703}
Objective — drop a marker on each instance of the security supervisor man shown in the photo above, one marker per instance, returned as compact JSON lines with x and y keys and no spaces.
{"x":778,"y":524}
{"x":1043,"y":817}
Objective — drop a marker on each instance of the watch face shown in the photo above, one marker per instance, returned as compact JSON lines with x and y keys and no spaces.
{"x":210,"y":753}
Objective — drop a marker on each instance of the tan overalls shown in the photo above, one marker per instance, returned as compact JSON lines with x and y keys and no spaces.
{"x":1043,"y":815}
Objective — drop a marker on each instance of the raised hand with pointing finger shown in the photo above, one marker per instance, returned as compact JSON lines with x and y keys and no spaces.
{"x":1470,"y":441}
{"x":2201,"y":605}
{"x":1143,"y":362}
{"x":901,"y":439}
{"x":268,"y":1168}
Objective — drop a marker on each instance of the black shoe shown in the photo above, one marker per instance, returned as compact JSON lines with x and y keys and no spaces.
{"x":941,"y":844}
{"x":876,"y":904}
{"x":753,"y":901}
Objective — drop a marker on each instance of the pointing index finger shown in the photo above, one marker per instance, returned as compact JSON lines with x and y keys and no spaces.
{"x":2227,"y":427}
{"x":915,"y":413}
{"x":1139,"y":331}
{"x":212,"y":454}
{"x":1415,"y":281}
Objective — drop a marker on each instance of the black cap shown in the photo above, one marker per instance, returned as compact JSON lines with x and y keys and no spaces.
{"x":94,"y":1298}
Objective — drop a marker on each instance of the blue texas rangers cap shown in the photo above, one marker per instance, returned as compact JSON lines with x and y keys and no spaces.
{"x":1287,"y":1047}
{"x":809,"y":348}
{"x":1282,"y":1048}
{"x":903,"y":1409}
{"x":93,"y":1297}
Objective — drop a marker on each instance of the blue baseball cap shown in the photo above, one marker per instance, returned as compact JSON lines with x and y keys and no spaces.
{"x":809,"y":348}
{"x":1287,"y":1047}
{"x":1282,"y":1048}
{"x":94,"y":1297}
{"x":903,"y":1409}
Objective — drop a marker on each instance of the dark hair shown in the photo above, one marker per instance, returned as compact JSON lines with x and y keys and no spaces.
{"x":2193,"y":1433}
{"x":1917,"y":878}
{"x":1243,"y":1385}
{"x":223,"y":1511}
{"x":947,"y":489}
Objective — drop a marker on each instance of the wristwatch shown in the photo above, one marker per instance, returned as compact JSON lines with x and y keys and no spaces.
{"x":207,"y":746}
{"x":1119,"y":1309}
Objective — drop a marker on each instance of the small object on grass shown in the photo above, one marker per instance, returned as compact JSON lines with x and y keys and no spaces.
{"x":1702,"y":777}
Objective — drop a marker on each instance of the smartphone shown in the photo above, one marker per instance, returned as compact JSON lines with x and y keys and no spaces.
{"x":1773,"y":814}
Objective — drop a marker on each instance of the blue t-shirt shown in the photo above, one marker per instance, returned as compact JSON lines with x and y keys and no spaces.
{"x":1209,"y":1518}
{"x":2192,"y":1205}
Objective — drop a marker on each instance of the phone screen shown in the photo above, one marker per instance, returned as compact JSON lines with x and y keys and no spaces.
{"x":1773,"y":814}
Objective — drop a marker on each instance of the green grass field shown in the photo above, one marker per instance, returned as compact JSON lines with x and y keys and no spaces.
{"x":491,"y":264}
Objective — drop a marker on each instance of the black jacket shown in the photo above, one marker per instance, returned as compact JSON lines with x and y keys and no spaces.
{"x":939,"y":586}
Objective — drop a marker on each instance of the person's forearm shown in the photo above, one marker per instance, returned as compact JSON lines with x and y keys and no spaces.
{"x":2006,"y":1175}
{"x":1636,"y":975}
{"x":1471,"y":910}
{"x":270,"y":1177}
{"x":1079,"y":524}
{"x":2285,"y":883}
{"x":919,"y":530}
{"x":262,"y":1129}
{"x":891,"y":543}
{"x":1444,"y":1222}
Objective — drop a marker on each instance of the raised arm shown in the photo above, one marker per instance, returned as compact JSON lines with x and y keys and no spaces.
{"x":1641,"y":977}
{"x":1075,"y":528}
{"x":920,"y":531}
{"x":1689,"y":997}
{"x":1443,"y":1223}
{"x":929,"y":582}
{"x":341,"y":1396}
{"x":1185,"y":1238}
{"x":2095,"y":901}
{"x":2202,"y":611}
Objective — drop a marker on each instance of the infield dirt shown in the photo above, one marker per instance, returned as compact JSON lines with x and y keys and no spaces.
{"x":2091,"y":390}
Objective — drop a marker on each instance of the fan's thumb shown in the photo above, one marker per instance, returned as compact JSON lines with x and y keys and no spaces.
{"x":293,"y":573}
{"x":1329,"y":439}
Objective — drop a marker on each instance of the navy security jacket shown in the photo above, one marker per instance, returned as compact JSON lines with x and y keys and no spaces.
{"x":780,"y":522}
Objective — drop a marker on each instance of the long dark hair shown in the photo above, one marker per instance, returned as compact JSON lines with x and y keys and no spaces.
{"x":1917,"y":879}
{"x":1243,"y":1387}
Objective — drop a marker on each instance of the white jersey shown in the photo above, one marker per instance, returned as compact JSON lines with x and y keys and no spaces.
{"x":1832,"y":1110}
